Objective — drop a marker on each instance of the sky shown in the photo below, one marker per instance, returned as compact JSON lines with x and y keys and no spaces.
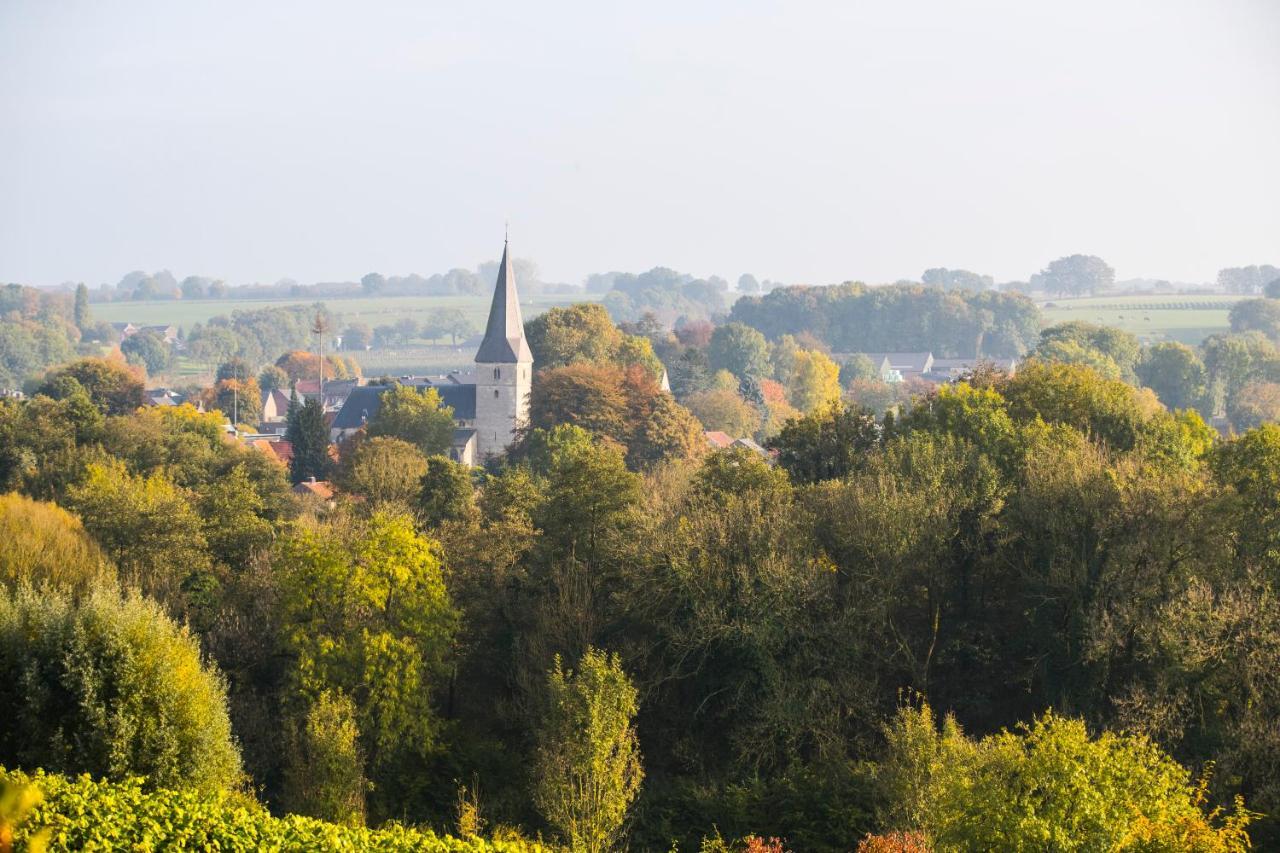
{"x":805,"y":142}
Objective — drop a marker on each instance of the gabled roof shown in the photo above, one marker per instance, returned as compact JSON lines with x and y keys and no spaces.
{"x":504,"y":341}
{"x":719,"y":440}
{"x":915,"y":361}
{"x":363,"y":402}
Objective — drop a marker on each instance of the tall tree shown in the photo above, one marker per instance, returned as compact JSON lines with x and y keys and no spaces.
{"x":417,"y":416}
{"x":588,"y":769}
{"x":310,"y":439}
{"x":81,"y":310}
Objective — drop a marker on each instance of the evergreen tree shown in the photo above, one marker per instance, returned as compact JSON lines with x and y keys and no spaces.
{"x":310,"y":440}
{"x":82,"y":307}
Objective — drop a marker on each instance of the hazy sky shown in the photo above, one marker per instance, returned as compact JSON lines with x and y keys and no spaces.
{"x":805,"y":142}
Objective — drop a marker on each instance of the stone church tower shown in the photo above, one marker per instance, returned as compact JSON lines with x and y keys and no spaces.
{"x":504,"y":369}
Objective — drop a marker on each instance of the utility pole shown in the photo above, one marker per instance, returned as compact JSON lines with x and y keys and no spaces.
{"x":318,"y":329}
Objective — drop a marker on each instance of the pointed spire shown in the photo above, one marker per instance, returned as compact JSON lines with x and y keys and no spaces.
{"x":504,"y":341}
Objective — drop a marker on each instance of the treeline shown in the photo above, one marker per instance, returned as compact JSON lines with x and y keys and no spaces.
{"x":897,"y":318}
{"x":742,"y":636}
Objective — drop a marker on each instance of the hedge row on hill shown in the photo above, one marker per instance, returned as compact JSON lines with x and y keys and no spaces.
{"x":83,"y":814}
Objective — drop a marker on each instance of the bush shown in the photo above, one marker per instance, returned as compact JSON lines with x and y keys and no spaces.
{"x":87,"y":814}
{"x":45,"y":544}
{"x":110,"y":686}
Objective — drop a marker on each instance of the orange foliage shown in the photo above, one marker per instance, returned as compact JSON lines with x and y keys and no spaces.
{"x":895,"y":842}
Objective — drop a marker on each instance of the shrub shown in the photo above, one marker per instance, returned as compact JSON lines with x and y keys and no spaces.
{"x":82,"y":813}
{"x":45,"y":544}
{"x":110,"y":686}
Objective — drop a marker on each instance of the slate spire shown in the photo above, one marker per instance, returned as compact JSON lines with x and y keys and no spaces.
{"x":504,"y":341}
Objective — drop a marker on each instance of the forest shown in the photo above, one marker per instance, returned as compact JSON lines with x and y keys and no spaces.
{"x":1029,"y":611}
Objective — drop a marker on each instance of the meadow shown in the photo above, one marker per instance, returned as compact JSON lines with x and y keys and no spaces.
{"x":1188,"y":318}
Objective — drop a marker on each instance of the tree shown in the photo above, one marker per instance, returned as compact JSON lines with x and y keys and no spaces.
{"x":1256,"y":315}
{"x":357,"y":336}
{"x":1254,"y":404}
{"x":668,"y":432}
{"x":365,"y":612}
{"x":47,"y":546}
{"x":946,"y":279}
{"x":1272,"y":290}
{"x":383,"y":470}
{"x":272,"y":378}
{"x":325,"y":775}
{"x":147,"y":349}
{"x":582,"y":394}
{"x":416,"y":416}
{"x":724,"y":411}
{"x":814,"y":381}
{"x":446,"y":493}
{"x":1046,"y":786}
{"x":307,"y":434}
{"x":1175,"y":372}
{"x":113,"y":388}
{"x":1075,"y":275}
{"x":1116,"y":345}
{"x":588,"y":769}
{"x":739,"y":349}
{"x":1250,"y":279}
{"x":147,"y":526}
{"x":110,"y":686}
{"x":240,"y":400}
{"x":1107,"y":410}
{"x":453,"y":322}
{"x":747,"y":283}
{"x":826,"y":444}
{"x":80,"y":312}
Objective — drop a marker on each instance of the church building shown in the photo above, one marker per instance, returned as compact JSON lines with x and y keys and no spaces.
{"x":488,"y":408}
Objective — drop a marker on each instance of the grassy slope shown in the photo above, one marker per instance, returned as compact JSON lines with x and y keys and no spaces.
{"x":1189,"y":319}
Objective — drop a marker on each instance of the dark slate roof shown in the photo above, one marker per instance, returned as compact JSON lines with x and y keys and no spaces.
{"x":462,"y":436}
{"x":460,"y":398}
{"x":364,"y":401}
{"x":361,"y":405}
{"x":504,"y":341}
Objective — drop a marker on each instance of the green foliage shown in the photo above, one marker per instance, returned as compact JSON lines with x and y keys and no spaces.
{"x":365,"y":612}
{"x":1175,"y":372}
{"x":83,"y":814}
{"x":1047,"y":786}
{"x":147,"y":526}
{"x":827,"y":444}
{"x":588,"y":770}
{"x":113,"y":388}
{"x":1075,"y":275}
{"x":325,"y":776}
{"x":310,"y":439}
{"x":149,"y":350}
{"x":109,"y":686}
{"x":46,"y":545}
{"x":382,"y":470}
{"x":852,"y":317}
{"x":739,"y":349}
{"x":726,"y":411}
{"x":1087,"y":343}
{"x":445,"y":492}
{"x":416,"y":416}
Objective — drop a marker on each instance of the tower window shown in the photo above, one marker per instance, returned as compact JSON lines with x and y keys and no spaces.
{"x":495,"y":393}
{"x":497,"y":373}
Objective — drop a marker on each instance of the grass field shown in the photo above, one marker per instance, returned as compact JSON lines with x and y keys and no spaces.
{"x":1189,"y":319}
{"x":376,"y":311}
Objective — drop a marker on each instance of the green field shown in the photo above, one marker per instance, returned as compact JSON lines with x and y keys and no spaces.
{"x":374,"y":310}
{"x":1186,"y":318}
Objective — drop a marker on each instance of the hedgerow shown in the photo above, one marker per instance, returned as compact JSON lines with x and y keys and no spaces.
{"x":84,"y":814}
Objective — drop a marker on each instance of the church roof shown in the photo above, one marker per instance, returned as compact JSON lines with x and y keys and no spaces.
{"x":365,"y":401}
{"x":504,"y":341}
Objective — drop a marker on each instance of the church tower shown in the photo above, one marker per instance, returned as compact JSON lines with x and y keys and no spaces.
{"x":504,"y":368}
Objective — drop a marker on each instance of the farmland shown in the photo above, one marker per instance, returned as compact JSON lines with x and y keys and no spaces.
{"x":374,"y":310}
{"x":1188,"y":318}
